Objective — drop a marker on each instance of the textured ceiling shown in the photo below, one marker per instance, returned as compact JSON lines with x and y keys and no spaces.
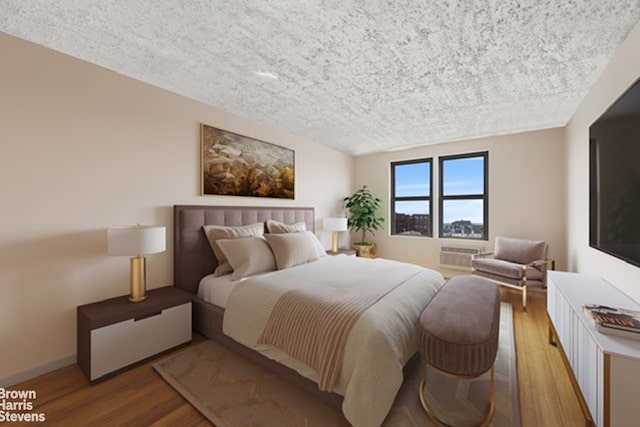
{"x":359,"y":76}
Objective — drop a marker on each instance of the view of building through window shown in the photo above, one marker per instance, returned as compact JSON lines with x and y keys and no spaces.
{"x":463,"y":196}
{"x":462,"y":202}
{"x":411,"y":198}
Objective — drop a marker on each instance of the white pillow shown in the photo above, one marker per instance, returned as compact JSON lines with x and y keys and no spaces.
{"x":322,"y":252}
{"x":292,"y":249}
{"x":248,"y":256}
{"x":276,"y":227}
{"x":218,"y":232}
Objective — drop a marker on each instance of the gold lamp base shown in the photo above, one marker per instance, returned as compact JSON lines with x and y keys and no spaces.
{"x":335,"y":236}
{"x":138,"y":279}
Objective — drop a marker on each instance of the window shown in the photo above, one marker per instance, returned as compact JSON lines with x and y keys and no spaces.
{"x":464,"y":196}
{"x":411,"y":198}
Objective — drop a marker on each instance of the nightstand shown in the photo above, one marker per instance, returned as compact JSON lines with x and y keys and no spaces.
{"x":114,"y":334}
{"x":349,"y":252}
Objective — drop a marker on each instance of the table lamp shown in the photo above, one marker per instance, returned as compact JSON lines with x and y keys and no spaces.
{"x":135,"y":241}
{"x":336,"y":225}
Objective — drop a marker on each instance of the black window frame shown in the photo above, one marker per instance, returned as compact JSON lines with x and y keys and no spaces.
{"x":484,"y":197}
{"x":395,"y":198}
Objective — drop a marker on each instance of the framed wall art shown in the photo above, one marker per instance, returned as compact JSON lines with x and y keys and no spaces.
{"x":236,"y":165}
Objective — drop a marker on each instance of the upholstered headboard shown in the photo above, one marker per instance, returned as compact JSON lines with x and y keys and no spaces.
{"x":193,"y":258}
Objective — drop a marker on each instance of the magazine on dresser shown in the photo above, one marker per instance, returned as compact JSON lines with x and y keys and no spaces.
{"x":614,"y":321}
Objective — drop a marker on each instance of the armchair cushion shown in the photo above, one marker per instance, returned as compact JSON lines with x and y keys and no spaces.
{"x":519,"y":251}
{"x":504,"y":268}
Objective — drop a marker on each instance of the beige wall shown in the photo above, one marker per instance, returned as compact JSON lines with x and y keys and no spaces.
{"x":621,"y":72}
{"x":84,"y":148}
{"x":526,"y":193}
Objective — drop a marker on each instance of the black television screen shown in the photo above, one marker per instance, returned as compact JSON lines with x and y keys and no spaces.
{"x":614,"y":180}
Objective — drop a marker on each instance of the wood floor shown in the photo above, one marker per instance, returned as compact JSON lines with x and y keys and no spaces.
{"x":547,"y":397}
{"x":139,"y":397}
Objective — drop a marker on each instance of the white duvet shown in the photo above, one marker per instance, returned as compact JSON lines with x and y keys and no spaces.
{"x":379,"y":345}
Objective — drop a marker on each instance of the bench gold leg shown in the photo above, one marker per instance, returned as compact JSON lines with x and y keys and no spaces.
{"x":492,"y":400}
{"x":423,"y":402}
{"x":434,"y":419}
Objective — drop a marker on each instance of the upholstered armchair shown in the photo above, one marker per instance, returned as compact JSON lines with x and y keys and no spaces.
{"x":515,"y":263}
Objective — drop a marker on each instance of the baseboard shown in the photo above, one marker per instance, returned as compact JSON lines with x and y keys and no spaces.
{"x":37,"y":371}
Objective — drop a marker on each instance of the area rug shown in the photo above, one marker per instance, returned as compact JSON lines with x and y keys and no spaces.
{"x":231,"y":391}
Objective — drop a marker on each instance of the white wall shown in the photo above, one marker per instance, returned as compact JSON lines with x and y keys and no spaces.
{"x":621,"y":72}
{"x":526,"y":193}
{"x":83,"y":148}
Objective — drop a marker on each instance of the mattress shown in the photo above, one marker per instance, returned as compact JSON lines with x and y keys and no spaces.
{"x":216,"y":289}
{"x":380,"y":342}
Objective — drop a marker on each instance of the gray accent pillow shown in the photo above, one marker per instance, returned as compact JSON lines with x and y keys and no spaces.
{"x":293,"y":249}
{"x":248,"y":256}
{"x":219,"y":232}
{"x":276,"y":227}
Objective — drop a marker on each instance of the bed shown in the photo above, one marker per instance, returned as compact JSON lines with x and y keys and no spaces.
{"x":368,"y":378}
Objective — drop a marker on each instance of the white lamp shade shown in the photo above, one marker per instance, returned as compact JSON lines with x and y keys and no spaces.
{"x":334,"y":224}
{"x":132,"y":240}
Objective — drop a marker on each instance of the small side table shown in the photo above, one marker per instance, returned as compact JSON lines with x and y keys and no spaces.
{"x":349,"y":252}
{"x":115,"y":334}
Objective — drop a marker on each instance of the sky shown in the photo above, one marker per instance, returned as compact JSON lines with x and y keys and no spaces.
{"x":461,"y":176}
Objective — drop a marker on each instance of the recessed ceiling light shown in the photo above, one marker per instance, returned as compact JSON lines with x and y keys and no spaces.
{"x":266,"y":74}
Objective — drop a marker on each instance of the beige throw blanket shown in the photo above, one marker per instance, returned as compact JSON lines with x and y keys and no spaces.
{"x":313,"y":323}
{"x":380,"y":343}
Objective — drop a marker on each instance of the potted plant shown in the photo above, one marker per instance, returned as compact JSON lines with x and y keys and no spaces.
{"x":363,"y":216}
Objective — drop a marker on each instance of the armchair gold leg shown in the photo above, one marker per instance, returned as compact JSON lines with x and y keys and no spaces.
{"x":524,"y":298}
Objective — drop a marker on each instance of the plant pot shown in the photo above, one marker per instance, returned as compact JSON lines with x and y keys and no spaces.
{"x":365,"y":251}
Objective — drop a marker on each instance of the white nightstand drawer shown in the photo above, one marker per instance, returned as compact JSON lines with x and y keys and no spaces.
{"x":122,"y":344}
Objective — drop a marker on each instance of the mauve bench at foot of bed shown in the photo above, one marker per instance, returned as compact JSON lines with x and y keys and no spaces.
{"x":457,"y":333}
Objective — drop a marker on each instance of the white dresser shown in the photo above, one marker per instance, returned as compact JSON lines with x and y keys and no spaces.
{"x":606,"y":368}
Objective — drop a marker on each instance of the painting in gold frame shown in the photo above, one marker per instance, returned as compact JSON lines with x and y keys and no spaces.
{"x":236,"y":165}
